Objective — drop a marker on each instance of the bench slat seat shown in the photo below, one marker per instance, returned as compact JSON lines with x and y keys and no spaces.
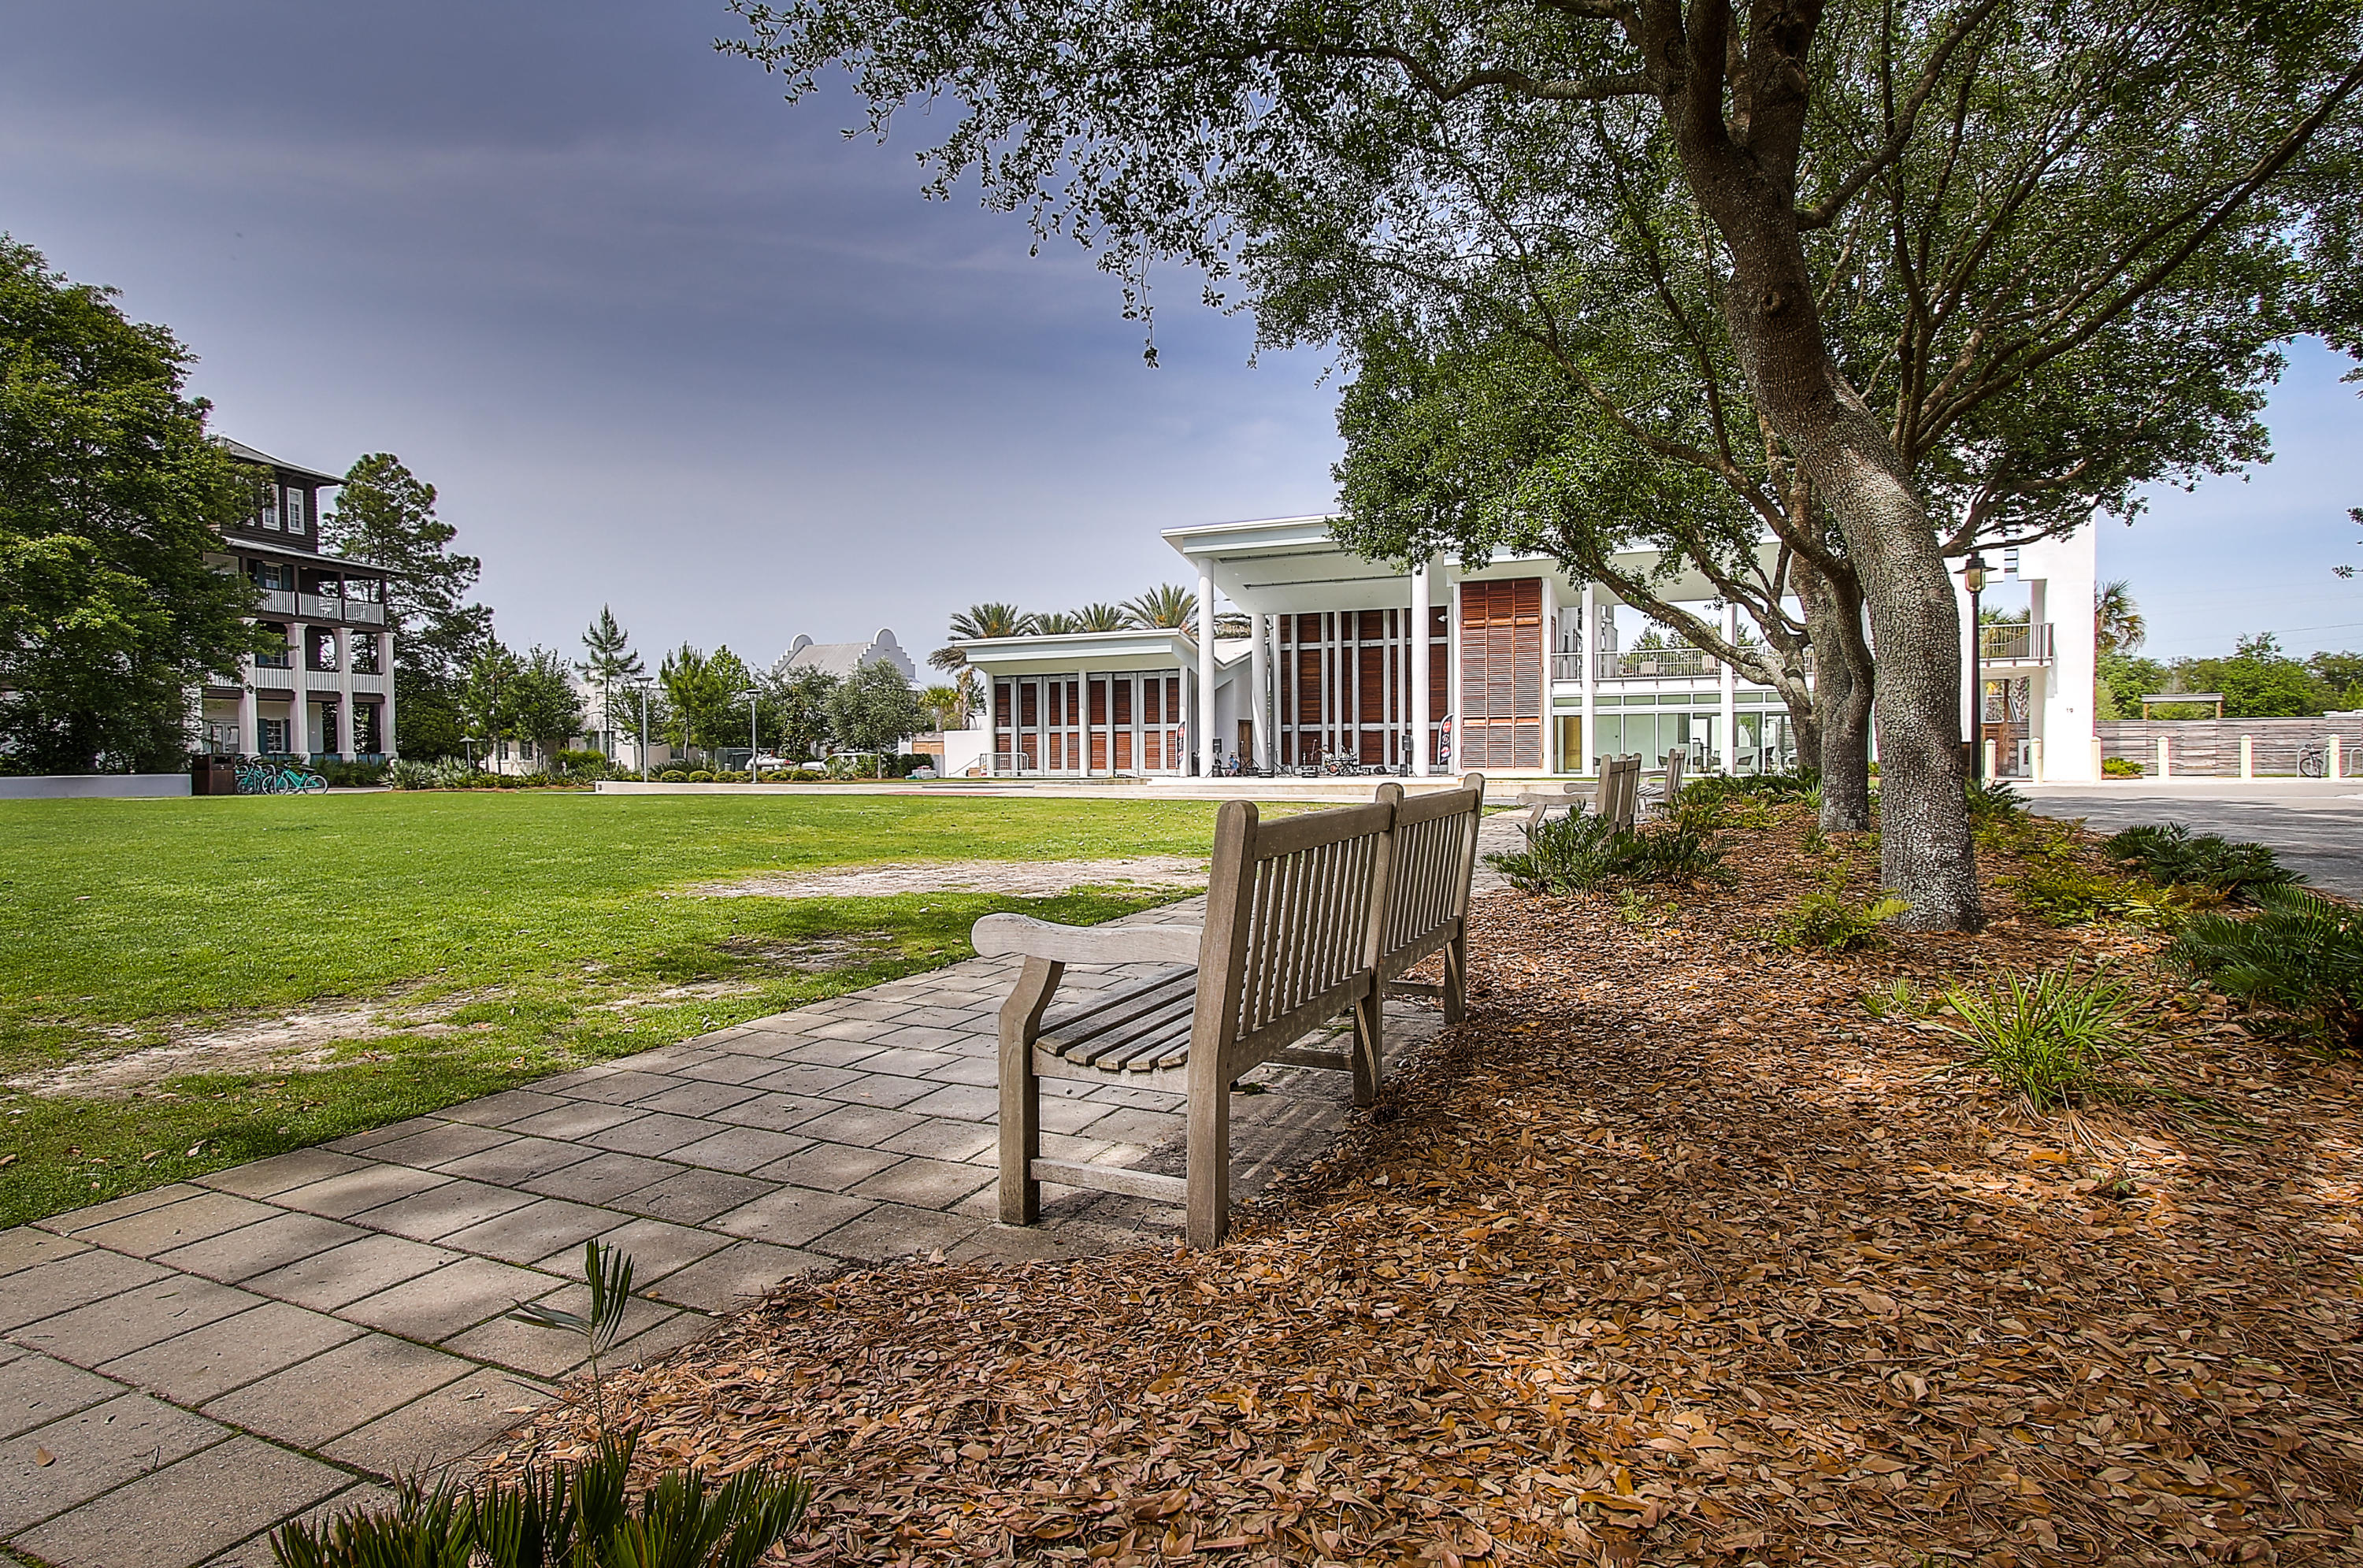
{"x":1308,"y":919}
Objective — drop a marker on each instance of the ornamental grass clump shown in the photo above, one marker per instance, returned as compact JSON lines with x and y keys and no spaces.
{"x":1829,"y":922}
{"x":2299,"y":955}
{"x":2051,"y":1040}
{"x":2171,"y":854}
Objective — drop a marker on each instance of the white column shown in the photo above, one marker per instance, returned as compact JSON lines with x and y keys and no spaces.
{"x":1452,"y":679}
{"x":249,"y":720}
{"x":1550,"y":645}
{"x":1259,"y":674}
{"x":385,"y":742}
{"x":345,"y":693}
{"x":1208,"y":743}
{"x":299,"y":702}
{"x":1591,"y":677}
{"x":1730,"y":692}
{"x":1420,"y":613}
{"x":1082,"y":717}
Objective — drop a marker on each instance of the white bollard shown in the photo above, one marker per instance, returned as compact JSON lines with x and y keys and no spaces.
{"x":2098,"y":757}
{"x":2035,"y":760}
{"x":2330,"y":759}
{"x":2247,"y":756}
{"x":1989,"y":761}
{"x":2164,"y":759}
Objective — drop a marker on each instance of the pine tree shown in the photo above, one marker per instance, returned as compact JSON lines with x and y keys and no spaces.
{"x":610,"y":663}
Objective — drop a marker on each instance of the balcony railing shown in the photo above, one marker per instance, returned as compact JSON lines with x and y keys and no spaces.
{"x":1652,"y":664}
{"x":278,"y":601}
{"x":2015,"y":642}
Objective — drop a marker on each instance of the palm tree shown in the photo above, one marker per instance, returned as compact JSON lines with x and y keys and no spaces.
{"x":1171,"y":607}
{"x":947,"y":705}
{"x":1103,"y":618}
{"x":1055,"y":624}
{"x":2117,"y":622}
{"x":982,"y":621}
{"x":992,"y":621}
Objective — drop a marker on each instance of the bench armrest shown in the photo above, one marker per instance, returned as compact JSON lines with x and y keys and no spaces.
{"x":996,"y":934}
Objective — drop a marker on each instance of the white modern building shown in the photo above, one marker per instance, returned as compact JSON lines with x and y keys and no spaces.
{"x":1516,"y":668}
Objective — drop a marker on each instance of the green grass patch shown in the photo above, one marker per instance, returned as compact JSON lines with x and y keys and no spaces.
{"x":489,"y":939}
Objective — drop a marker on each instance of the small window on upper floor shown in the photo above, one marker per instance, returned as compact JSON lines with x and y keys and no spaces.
{"x":269,"y":510}
{"x":298,"y":511}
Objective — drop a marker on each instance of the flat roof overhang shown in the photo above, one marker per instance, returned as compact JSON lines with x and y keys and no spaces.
{"x":1097,"y":652}
{"x":1283,"y":565}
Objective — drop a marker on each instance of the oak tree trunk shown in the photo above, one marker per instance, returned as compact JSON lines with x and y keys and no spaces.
{"x":1843,"y":682}
{"x":1927,"y":857}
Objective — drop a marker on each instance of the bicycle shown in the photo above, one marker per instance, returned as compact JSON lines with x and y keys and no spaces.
{"x":2314,"y":760}
{"x":273,"y":778}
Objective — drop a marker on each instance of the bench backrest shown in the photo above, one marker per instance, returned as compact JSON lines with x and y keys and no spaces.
{"x":1435,"y":856}
{"x":1293,"y":912}
{"x":1676,"y":762}
{"x":1620,"y":789}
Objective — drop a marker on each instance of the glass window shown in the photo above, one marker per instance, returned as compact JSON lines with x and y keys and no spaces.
{"x":295,"y":510}
{"x":269,"y":518}
{"x":275,"y":737}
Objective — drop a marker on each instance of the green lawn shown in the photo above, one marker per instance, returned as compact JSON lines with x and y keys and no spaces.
{"x":494,"y":933}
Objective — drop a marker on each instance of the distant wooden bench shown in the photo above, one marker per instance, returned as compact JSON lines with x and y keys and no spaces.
{"x":1307,"y":918}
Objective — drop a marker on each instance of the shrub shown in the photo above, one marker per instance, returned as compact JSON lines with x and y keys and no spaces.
{"x":1900,"y":1000}
{"x":2171,"y":854}
{"x":2050,"y":1041}
{"x":577,"y":1512}
{"x":2120,"y":767}
{"x":2299,"y":955}
{"x":673,"y":775}
{"x":1563,"y":855}
{"x":2066,"y":894}
{"x":1579,"y":852}
{"x":700,"y":776}
{"x":1832,"y":922}
{"x":582,"y":763}
{"x":444,"y":773}
{"x":1993,"y":799}
{"x":1758,"y":786}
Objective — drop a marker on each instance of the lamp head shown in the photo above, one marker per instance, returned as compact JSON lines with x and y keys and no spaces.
{"x":1973,"y":572}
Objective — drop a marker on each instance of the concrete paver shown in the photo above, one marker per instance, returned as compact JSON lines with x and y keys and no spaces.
{"x":457,"y":1296}
{"x":63,"y":1283}
{"x":187,"y":1511}
{"x":36,"y":1390}
{"x":329,"y":1280}
{"x":282,"y":1172}
{"x":117,"y":1325}
{"x":338,"y":1391}
{"x":206,"y":1362}
{"x":441,"y":1425}
{"x":736,"y":1276}
{"x":241,"y":1255}
{"x":92,"y":1451}
{"x":530,"y":1234}
{"x":28,"y":1246}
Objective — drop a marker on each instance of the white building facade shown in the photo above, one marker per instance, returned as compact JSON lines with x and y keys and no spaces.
{"x":1515,"y":668}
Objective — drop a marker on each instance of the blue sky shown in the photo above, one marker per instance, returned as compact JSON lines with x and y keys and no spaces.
{"x":664,"y":342}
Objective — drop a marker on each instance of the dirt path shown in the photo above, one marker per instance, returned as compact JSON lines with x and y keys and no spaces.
{"x":1019,"y":878}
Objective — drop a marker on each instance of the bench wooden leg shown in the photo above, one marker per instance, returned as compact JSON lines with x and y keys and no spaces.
{"x":1455,"y":979}
{"x":1210,"y":1161}
{"x":1370,"y":1046}
{"x":1021,"y":1091}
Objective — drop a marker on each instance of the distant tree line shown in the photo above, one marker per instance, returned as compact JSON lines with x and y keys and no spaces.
{"x":2258,"y":680}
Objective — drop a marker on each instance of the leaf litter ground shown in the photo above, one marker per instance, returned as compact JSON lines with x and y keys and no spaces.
{"x":1672,"y":1253}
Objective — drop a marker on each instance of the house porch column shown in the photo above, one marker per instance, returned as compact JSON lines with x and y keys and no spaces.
{"x":1208,"y":743}
{"x":1422,"y":754}
{"x":1730,"y":692}
{"x":1590,"y":631}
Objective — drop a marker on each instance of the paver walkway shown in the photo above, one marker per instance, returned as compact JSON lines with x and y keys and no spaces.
{"x":183,"y":1368}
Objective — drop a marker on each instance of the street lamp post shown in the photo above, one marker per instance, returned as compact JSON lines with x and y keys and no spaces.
{"x":641,"y":687}
{"x":1973,"y":578}
{"x":754,"y":747}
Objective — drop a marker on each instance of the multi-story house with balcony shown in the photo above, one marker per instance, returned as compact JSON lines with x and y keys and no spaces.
{"x":328,"y":692}
{"x":1517,"y":666}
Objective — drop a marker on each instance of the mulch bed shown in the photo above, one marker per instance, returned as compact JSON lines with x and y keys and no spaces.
{"x":1672,"y":1253}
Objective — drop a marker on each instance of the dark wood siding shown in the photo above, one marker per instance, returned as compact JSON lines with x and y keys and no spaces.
{"x":1502,"y":673}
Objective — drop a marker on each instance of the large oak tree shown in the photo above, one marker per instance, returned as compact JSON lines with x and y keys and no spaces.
{"x":1164,"y":128}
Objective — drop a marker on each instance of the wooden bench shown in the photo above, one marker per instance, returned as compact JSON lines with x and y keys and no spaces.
{"x":1665,"y":793}
{"x":1307,"y":918}
{"x":1620,"y":789}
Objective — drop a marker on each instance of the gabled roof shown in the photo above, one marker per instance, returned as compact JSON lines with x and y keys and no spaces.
{"x":247,"y":454}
